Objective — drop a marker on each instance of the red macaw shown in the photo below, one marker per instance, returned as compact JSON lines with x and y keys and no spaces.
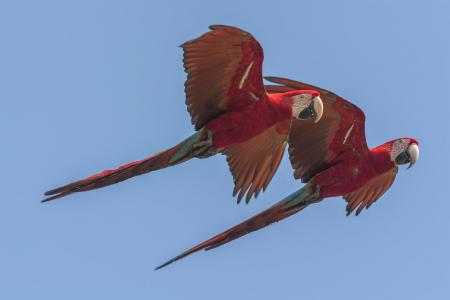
{"x":333,"y":159}
{"x":232,"y":113}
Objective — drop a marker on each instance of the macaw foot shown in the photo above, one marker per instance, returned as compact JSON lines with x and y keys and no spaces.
{"x":302,"y":198}
{"x":204,"y":148}
{"x":314,"y":197}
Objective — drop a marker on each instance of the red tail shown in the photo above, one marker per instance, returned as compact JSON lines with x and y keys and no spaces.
{"x":170,"y":157}
{"x":283,"y":209}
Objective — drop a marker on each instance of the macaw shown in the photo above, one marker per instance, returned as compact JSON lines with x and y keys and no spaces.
{"x":333,"y":159}
{"x":232,"y":113}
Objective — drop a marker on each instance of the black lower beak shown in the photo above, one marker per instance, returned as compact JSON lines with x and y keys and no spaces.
{"x":402,"y":158}
{"x":307,"y":113}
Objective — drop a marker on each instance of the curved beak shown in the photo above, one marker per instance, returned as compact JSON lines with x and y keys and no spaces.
{"x":318,"y":108}
{"x":413,"y":152}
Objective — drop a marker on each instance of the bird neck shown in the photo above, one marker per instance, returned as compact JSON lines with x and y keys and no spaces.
{"x":281,"y":105}
{"x":381,"y":158}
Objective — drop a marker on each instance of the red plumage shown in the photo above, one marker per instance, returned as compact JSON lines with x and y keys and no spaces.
{"x":333,"y":158}
{"x":231,"y":110}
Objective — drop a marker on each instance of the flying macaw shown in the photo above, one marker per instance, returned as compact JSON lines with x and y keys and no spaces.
{"x":232,"y":113}
{"x":333,"y":159}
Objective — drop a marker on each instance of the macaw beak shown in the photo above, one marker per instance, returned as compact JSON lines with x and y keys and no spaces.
{"x":413,"y":153}
{"x":318,"y":108}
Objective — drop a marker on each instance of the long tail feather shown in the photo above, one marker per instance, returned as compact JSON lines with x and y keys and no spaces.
{"x":283,"y":209}
{"x":170,"y":157}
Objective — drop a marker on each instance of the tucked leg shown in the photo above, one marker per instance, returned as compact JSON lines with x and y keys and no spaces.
{"x":204,"y":148}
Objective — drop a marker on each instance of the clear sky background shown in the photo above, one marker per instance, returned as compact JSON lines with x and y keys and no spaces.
{"x":90,"y":85}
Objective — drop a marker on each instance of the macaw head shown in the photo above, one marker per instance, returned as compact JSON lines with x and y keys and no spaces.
{"x":306,"y":104}
{"x":404,"y":150}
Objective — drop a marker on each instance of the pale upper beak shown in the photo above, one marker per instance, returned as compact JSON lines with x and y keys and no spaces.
{"x":318,"y":109}
{"x":413,"y":152}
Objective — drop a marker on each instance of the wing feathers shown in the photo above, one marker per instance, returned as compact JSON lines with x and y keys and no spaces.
{"x":312,"y":147}
{"x":254,"y":163}
{"x":370,"y":192}
{"x":216,"y":64}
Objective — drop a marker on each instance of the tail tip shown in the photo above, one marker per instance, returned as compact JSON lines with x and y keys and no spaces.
{"x":46,"y":200}
{"x":52,"y":198}
{"x":166,"y":263}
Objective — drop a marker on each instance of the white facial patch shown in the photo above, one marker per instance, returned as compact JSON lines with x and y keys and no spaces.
{"x":299,"y":103}
{"x":399,"y":146}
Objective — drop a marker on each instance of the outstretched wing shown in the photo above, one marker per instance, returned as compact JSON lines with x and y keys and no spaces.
{"x":254,"y":162}
{"x":313,"y":147}
{"x":366,"y":195}
{"x":224,"y":72}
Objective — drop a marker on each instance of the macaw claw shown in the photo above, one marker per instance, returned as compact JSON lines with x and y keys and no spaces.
{"x":204,"y":148}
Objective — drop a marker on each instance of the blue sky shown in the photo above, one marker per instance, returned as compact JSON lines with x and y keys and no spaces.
{"x":90,"y":85}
